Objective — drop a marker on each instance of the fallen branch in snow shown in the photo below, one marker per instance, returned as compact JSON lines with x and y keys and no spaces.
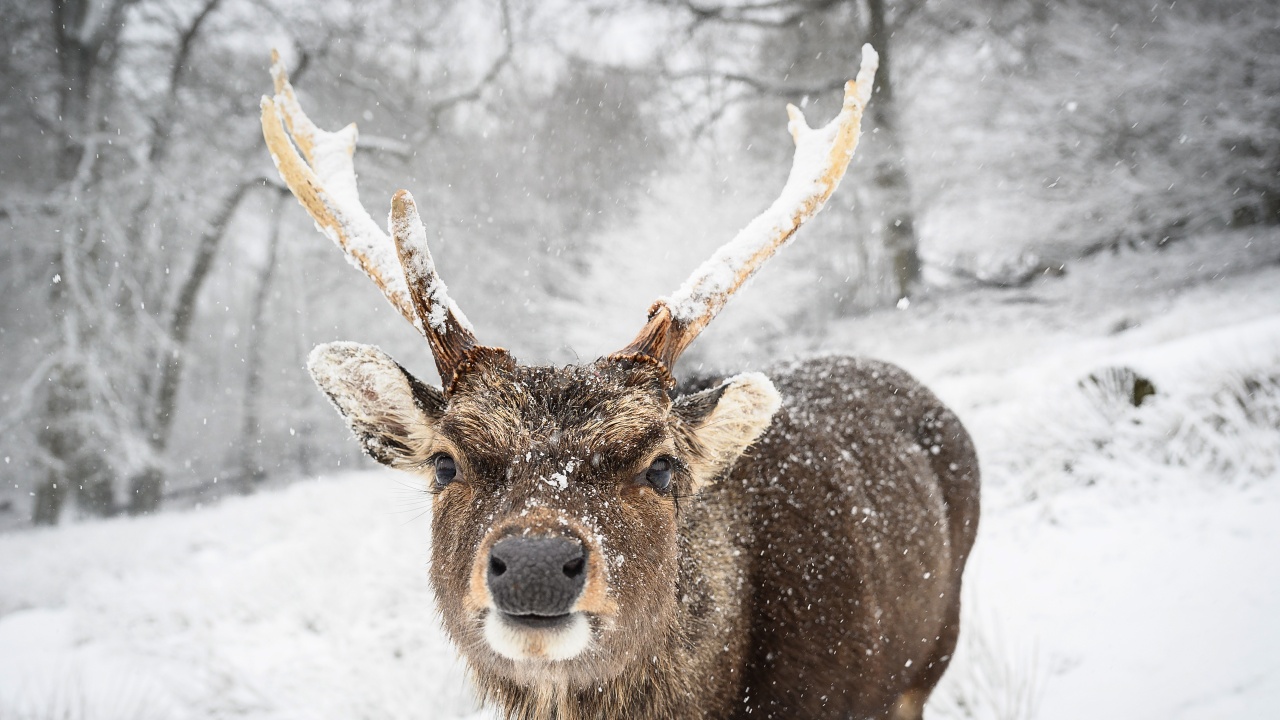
{"x":1008,"y":272}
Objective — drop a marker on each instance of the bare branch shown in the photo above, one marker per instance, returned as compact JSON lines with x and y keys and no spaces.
{"x":183,"y":314}
{"x":762,"y":87}
{"x":21,"y":400}
{"x":770,"y":14}
{"x":49,"y":206}
{"x":387,"y":146}
{"x":473,"y":93}
{"x":161,"y":124}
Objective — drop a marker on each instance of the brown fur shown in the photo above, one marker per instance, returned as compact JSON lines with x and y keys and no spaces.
{"x":815,"y":574}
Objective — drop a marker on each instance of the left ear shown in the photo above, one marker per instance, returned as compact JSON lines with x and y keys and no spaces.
{"x":724,"y":421}
{"x":393,"y":414}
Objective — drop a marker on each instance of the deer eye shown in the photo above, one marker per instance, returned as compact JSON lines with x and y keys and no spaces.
{"x":446,"y":470}
{"x":658,"y":476}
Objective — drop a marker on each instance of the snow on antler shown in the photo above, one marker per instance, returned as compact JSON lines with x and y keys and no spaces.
{"x":821,"y":157}
{"x":399,"y":264}
{"x":448,"y":330}
{"x":325,"y":185}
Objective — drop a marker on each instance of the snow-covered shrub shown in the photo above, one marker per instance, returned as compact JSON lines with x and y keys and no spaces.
{"x":72,"y":697}
{"x":1115,"y":388}
{"x":1231,"y":429}
{"x":992,"y":678}
{"x":1211,"y":417}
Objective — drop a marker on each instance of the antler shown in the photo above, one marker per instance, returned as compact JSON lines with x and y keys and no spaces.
{"x":820,"y":160}
{"x":325,"y":185}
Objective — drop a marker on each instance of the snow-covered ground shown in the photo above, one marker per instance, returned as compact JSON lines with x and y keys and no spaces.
{"x":1125,"y":565}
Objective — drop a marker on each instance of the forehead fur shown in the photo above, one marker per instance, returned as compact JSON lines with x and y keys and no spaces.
{"x":620,"y":406}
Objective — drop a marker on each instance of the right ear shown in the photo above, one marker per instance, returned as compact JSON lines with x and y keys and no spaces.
{"x":725,"y":420}
{"x":394,"y":416}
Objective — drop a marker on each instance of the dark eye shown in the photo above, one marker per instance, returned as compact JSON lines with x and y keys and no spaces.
{"x":658,"y":476}
{"x":446,"y":471}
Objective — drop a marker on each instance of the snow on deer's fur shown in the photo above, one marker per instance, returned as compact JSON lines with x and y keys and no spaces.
{"x":610,"y":544}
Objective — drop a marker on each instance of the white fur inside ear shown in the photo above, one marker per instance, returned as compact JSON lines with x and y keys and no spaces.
{"x":744,"y":412}
{"x":373,"y":394}
{"x":518,"y":643}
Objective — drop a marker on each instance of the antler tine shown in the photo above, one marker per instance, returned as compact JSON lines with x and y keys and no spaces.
{"x":448,"y":330}
{"x":325,"y":185}
{"x":820,"y":160}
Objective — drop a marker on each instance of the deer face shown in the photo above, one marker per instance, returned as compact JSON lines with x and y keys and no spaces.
{"x":555,"y":516}
{"x":556,"y":495}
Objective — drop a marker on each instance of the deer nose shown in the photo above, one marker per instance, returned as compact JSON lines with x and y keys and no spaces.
{"x":541,"y":576}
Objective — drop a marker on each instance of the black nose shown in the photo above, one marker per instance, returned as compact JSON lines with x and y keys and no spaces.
{"x":537,"y":575}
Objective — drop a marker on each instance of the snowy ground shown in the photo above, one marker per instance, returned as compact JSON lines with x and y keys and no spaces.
{"x":1125,"y":566}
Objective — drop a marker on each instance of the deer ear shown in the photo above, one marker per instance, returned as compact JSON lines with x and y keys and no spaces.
{"x":393,"y":414}
{"x":724,"y":421}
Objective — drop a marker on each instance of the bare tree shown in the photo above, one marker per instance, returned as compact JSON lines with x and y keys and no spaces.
{"x":85,"y":40}
{"x":252,"y":469}
{"x":123,"y":322}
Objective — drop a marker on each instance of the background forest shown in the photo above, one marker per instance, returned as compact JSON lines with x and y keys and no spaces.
{"x":574,"y":161}
{"x":1063,"y":218}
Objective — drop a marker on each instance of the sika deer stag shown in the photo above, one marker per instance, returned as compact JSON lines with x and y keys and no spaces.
{"x":812,"y":565}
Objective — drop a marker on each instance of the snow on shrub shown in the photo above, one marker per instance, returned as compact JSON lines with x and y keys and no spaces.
{"x":1207,"y":411}
{"x":993,"y":677}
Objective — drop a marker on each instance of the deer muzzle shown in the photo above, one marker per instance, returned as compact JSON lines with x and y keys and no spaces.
{"x":534,"y":584}
{"x":535,"y":581}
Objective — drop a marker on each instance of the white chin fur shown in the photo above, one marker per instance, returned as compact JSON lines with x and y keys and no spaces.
{"x":518,"y":643}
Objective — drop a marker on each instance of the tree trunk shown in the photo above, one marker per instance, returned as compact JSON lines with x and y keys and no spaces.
{"x":83,"y":53}
{"x":146,"y":488}
{"x":897,"y":218}
{"x":77,"y":458}
{"x":251,"y":470}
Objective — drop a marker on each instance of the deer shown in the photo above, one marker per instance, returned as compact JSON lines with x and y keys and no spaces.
{"x":608,"y":542}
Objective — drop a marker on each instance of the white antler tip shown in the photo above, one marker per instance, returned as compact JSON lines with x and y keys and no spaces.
{"x":349,"y":135}
{"x":406,"y":228}
{"x":403,"y":208}
{"x":866,"y":79}
{"x":279,"y":74}
{"x":870,"y":58}
{"x":796,"y":124}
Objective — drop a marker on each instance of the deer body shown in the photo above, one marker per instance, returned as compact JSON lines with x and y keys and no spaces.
{"x":607,"y":545}
{"x":819,"y":578}
{"x":863,"y":500}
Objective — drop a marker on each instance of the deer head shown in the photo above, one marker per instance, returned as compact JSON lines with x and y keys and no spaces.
{"x":556,"y":490}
